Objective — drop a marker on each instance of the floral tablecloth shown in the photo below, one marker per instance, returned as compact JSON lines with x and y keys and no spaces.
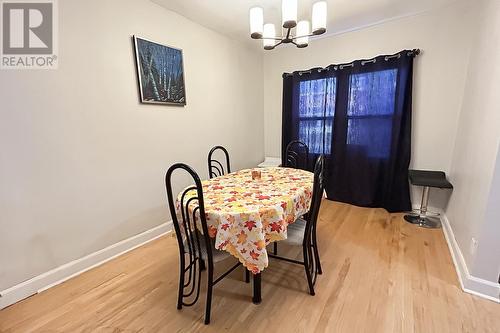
{"x":244,"y":215}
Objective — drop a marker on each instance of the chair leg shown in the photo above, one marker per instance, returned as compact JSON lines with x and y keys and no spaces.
{"x":181,"y":284}
{"x":208,"y":308}
{"x":247,"y":275}
{"x":306,"y":267}
{"x":318,"y":263}
{"x":275,"y":248}
{"x":316,"y":252}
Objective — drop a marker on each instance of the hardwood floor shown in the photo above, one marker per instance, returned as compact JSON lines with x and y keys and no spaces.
{"x":379,"y":275}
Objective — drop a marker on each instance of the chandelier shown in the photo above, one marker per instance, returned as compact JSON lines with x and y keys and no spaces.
{"x":267,"y":32}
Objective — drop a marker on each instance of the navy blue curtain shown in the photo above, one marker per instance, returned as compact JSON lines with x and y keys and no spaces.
{"x":359,"y":116}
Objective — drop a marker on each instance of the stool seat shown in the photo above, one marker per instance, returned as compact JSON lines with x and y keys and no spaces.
{"x":429,"y":178}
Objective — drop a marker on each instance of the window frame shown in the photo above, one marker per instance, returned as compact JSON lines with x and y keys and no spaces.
{"x":382,"y":116}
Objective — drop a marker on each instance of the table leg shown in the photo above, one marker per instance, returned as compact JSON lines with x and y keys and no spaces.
{"x":257,"y":297}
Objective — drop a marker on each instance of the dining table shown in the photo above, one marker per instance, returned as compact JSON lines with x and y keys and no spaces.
{"x":251,"y":208}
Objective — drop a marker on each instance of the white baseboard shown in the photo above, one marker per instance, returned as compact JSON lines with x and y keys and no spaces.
{"x":470,"y":284}
{"x":67,"y":271}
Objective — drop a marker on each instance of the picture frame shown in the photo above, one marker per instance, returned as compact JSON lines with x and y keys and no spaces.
{"x":160,"y":73}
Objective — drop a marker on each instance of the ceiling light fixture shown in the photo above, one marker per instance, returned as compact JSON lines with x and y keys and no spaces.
{"x":267,"y":32}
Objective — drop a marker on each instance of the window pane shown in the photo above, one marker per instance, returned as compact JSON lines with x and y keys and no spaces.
{"x":372,"y":135}
{"x":312,"y":98}
{"x":370,"y":111}
{"x":317,"y":135}
{"x":372,"y":93}
{"x":317,"y":101}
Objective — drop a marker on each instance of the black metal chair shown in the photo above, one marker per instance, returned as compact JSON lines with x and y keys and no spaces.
{"x":303,"y":231}
{"x":194,"y":246}
{"x":297,"y":155}
{"x":215,"y":167}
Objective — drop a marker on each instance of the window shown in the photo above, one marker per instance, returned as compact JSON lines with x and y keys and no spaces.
{"x":370,"y":112}
{"x":316,"y":112}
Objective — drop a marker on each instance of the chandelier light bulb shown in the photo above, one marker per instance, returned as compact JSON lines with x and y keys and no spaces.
{"x":256,"y":22}
{"x":302,"y":34}
{"x":289,"y":13}
{"x":319,"y":18}
{"x":269,"y":36}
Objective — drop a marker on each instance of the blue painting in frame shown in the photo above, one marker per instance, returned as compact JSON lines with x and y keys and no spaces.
{"x":160,"y":71}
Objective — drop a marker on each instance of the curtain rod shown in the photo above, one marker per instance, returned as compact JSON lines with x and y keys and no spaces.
{"x":412,"y":53}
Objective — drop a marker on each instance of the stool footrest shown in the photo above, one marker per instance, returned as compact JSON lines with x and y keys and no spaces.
{"x":427,"y":213}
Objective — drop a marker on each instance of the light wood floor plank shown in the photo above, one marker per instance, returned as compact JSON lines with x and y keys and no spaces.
{"x":380,"y":275}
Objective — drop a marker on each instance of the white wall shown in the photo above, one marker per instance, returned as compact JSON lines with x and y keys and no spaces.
{"x":487,"y":257}
{"x":476,"y":150}
{"x":82,"y":162}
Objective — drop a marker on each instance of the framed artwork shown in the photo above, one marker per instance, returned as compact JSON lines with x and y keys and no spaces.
{"x":160,"y":72}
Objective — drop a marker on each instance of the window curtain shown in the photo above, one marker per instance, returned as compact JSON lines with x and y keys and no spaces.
{"x":359,"y":116}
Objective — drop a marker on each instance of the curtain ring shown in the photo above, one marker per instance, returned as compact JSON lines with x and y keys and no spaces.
{"x":346,"y":65}
{"x":364,"y":62}
{"x":393,"y":56}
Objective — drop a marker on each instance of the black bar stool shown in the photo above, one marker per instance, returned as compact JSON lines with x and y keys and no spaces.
{"x":426,"y":179}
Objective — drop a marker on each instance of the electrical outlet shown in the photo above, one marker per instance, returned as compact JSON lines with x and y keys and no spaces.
{"x":473,"y":246}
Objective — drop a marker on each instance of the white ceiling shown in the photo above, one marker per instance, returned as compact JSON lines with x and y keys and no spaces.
{"x":230,"y":17}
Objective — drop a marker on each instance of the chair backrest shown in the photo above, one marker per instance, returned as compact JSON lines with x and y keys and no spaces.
{"x":215,"y":167}
{"x":191,"y":242}
{"x":297,"y":155}
{"x":312,"y":218}
{"x":317,"y":193}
